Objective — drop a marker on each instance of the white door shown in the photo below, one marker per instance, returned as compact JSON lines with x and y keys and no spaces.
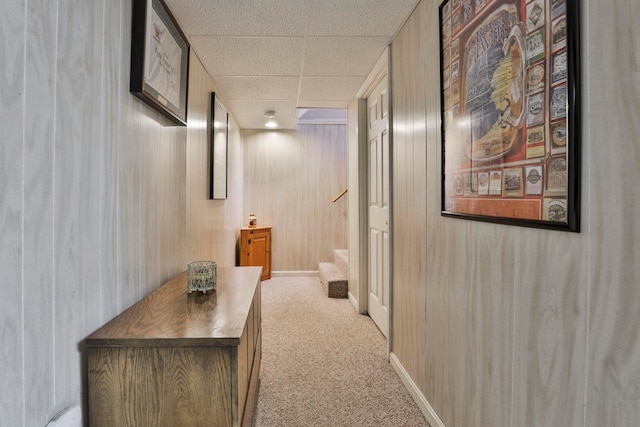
{"x":379,"y":238}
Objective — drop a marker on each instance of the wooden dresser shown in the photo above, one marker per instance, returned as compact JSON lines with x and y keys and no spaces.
{"x":255,"y":248}
{"x":180,"y":359}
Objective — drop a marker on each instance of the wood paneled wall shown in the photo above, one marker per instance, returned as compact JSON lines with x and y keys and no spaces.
{"x":290,"y":180}
{"x":508,"y":326}
{"x":96,"y":192}
{"x":213,"y":226}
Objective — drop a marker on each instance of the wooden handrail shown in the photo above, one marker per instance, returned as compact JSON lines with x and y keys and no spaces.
{"x":340,"y":195}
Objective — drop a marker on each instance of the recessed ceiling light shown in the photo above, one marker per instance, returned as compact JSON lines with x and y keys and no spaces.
{"x":270,"y":115}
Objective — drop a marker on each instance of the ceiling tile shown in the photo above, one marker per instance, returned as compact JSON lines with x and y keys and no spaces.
{"x":258,"y":107}
{"x":240,"y":17}
{"x":329,"y":88}
{"x":282,"y":54}
{"x":342,"y":56}
{"x":357,"y":17}
{"x":323,"y":104}
{"x":250,"y":56}
{"x":258,"y":87}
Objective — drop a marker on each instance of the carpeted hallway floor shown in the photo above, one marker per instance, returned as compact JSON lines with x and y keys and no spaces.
{"x":323,"y":364}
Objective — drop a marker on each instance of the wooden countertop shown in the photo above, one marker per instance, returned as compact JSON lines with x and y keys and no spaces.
{"x":170,"y":316}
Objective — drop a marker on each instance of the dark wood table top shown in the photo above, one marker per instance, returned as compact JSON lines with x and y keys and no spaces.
{"x":171,"y":316}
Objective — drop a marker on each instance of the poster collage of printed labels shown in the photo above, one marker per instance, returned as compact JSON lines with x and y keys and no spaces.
{"x":505,"y":107}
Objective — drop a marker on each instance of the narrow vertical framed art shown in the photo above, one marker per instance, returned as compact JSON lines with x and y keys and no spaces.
{"x":510,"y":108}
{"x":218,"y":149}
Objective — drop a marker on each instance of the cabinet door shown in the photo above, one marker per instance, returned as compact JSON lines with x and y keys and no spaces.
{"x":256,"y":250}
{"x":260,"y":251}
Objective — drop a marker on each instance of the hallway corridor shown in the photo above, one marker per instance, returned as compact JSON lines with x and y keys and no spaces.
{"x":323,"y":364}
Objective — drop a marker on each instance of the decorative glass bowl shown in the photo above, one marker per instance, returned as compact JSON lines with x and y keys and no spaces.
{"x":202,"y":276}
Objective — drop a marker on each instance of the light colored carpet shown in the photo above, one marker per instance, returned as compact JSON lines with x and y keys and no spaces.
{"x":323,"y":364}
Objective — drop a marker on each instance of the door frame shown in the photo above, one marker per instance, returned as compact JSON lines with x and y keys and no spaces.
{"x":382,"y":68}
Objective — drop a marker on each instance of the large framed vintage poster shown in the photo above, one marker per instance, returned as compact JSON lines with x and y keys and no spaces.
{"x":510,"y":111}
{"x":159,"y":60}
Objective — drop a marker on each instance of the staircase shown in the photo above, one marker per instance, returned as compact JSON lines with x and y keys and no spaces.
{"x":333,"y":275}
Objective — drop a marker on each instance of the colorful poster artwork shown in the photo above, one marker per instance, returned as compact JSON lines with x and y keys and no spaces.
{"x":535,"y":15}
{"x":505,"y":78}
{"x":559,"y":67}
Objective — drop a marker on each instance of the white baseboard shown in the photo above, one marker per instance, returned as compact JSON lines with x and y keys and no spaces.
{"x":354,"y":301}
{"x":310,"y":273}
{"x":426,"y":408}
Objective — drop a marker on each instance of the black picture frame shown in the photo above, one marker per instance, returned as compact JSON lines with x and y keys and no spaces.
{"x":218,"y":149}
{"x":510,"y":112}
{"x":159,"y":60}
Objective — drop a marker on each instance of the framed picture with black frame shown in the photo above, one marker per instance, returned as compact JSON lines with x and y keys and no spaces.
{"x":218,"y":149}
{"x":159,"y":60}
{"x":510,"y":105}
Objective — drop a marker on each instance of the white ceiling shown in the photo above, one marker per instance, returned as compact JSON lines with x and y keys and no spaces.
{"x":283,"y":54}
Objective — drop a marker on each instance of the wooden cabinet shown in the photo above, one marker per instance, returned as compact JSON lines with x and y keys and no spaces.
{"x":180,"y":359}
{"x":255,"y":249}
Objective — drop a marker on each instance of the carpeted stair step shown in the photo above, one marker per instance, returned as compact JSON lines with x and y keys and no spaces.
{"x":341,"y":259}
{"x":333,"y":280}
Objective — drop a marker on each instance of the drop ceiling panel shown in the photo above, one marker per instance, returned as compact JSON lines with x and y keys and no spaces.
{"x":323,"y":104}
{"x":357,"y":17}
{"x":342,"y":56}
{"x":282,"y":54}
{"x":240,"y":17}
{"x":329,"y":89}
{"x":250,"y":56}
{"x":258,"y":107}
{"x":258,"y":87}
